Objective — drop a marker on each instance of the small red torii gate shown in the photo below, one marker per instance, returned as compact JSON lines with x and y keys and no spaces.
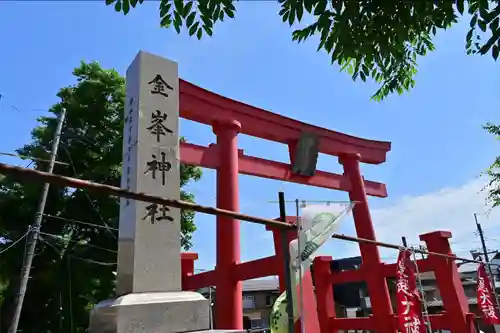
{"x":228,"y":118}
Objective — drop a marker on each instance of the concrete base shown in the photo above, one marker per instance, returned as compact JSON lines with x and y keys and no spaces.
{"x":169,"y":312}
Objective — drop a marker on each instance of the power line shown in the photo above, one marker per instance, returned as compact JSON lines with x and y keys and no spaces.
{"x":25,"y":157}
{"x":78,"y":242}
{"x":15,"y":242}
{"x":88,"y":260}
{"x":86,"y":194}
{"x":92,"y":261}
{"x":78,"y":222}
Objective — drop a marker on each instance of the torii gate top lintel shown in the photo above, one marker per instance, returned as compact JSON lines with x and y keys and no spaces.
{"x":203,"y":106}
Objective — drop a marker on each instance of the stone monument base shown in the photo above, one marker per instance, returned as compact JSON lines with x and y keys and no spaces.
{"x":158,"y":312}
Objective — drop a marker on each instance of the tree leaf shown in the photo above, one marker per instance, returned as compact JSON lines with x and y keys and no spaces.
{"x":177,"y":19}
{"x":166,"y":21}
{"x":300,"y":12}
{"x":460,"y":6}
{"x":229,"y":12}
{"x":177,"y":22}
{"x":494,"y":25}
{"x":482,"y":25}
{"x":468,"y":38}
{"x":179,"y":5}
{"x":199,"y":33}
{"x":193,"y":28}
{"x":495,"y":51}
{"x":320,"y":7}
{"x":291,"y":17}
{"x":109,"y":2}
{"x":363,"y":76}
{"x":473,"y":21}
{"x":164,"y":7}
{"x":118,"y":6}
{"x":190,"y":20}
{"x":208,"y":30}
{"x":285,"y":16}
{"x":187,"y":9}
{"x":126,"y":6}
{"x":308,"y":5}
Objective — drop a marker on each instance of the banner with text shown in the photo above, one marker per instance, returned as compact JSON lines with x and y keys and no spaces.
{"x":485,"y":297}
{"x":319,"y":223}
{"x":408,"y":298}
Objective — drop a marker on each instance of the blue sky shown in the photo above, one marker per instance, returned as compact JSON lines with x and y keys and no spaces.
{"x":435,"y":129}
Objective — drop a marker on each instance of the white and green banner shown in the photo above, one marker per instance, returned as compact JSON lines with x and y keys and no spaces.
{"x":319,"y":223}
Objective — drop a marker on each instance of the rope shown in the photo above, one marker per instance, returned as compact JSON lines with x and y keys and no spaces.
{"x":421,"y":289}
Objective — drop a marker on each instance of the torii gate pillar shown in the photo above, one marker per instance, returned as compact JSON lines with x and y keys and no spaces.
{"x":229,"y":289}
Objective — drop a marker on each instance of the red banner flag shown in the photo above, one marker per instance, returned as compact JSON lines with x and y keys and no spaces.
{"x":407,"y":296}
{"x":485,"y":297}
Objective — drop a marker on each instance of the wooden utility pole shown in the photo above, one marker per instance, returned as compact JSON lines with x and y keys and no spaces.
{"x":483,"y":244}
{"x":286,"y":256}
{"x":487,"y":259}
{"x":35,"y":230}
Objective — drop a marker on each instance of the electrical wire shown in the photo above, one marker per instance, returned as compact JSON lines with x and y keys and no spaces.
{"x":24,"y":157}
{"x":70,"y":287}
{"x":90,"y":261}
{"x":78,"y":242}
{"x":78,"y":222}
{"x":85,"y":193}
{"x":16,"y":241}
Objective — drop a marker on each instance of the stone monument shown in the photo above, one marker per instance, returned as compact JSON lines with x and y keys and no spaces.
{"x":149,"y":297}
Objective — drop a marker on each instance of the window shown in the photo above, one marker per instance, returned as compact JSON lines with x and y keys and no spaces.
{"x":248,"y":302}
{"x":256,"y":323}
{"x":270,"y":300}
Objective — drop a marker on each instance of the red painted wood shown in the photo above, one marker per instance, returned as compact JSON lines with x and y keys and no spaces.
{"x":324,"y":293}
{"x":228,"y":118}
{"x":377,"y":286}
{"x":200,"y":105}
{"x":207,"y":157}
{"x":228,"y":312}
{"x":448,"y":280}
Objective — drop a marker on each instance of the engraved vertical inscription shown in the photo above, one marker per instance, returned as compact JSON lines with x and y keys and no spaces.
{"x":129,"y":119}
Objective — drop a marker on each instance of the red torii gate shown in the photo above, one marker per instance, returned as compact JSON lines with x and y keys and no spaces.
{"x":228,"y":118}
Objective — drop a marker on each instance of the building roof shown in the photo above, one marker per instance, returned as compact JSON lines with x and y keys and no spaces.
{"x":468,"y":267}
{"x":261,"y":285}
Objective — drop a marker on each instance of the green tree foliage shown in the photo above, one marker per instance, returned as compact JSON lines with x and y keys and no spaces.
{"x":366,"y":38}
{"x":493,"y":171}
{"x":74,"y":263}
